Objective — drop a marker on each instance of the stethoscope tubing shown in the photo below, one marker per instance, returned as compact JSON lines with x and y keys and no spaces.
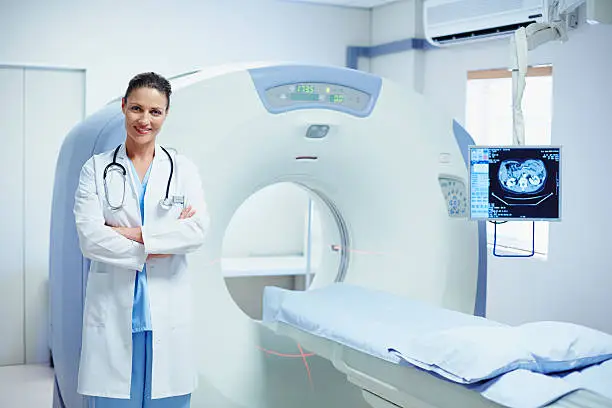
{"x":114,"y":163}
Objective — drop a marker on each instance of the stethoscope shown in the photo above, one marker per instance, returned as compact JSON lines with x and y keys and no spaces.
{"x":166,"y":202}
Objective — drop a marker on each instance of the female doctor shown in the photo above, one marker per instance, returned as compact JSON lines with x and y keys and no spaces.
{"x":137,"y":347}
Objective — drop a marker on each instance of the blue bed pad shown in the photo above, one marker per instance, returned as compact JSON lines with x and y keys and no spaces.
{"x":400,"y":330}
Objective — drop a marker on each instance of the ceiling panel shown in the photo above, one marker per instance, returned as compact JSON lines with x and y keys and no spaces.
{"x":347,"y":3}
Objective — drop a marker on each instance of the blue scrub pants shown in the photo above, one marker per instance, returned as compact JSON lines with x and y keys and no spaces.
{"x":140,"y":391}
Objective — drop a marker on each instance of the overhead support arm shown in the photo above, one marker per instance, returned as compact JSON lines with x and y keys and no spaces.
{"x":526,"y":39}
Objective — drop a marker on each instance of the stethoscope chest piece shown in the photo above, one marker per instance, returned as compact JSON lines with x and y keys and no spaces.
{"x":167,"y":203}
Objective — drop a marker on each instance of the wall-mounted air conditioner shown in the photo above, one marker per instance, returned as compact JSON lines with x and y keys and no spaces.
{"x":449,"y":22}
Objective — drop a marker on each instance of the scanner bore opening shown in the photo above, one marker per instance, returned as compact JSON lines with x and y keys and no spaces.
{"x":285,"y":234}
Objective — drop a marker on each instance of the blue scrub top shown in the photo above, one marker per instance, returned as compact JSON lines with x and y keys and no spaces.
{"x":141,"y":315}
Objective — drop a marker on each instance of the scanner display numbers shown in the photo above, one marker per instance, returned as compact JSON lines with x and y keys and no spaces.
{"x":316,"y":93}
{"x":305,"y":89}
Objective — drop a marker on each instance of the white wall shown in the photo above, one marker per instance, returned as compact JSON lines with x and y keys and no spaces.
{"x":393,"y":22}
{"x":575,"y":282}
{"x":116,"y":39}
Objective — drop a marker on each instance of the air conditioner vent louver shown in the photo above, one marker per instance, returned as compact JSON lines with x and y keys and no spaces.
{"x":487,"y":32}
{"x":448,"y":22}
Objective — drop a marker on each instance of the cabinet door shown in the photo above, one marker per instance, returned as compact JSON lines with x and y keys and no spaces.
{"x":54,"y":104}
{"x":11,"y":216}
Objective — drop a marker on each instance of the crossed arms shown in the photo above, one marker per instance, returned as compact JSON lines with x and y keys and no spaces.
{"x":135,"y":233}
{"x":130,"y":247}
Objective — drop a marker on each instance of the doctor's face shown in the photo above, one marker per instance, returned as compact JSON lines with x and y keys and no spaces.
{"x":145,"y":111}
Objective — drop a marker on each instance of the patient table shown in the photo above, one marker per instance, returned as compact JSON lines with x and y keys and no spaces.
{"x":354,"y":328}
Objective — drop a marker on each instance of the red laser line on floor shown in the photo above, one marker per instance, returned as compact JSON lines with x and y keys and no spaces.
{"x":307,"y":366}
{"x":302,"y":355}
{"x":276,"y":353}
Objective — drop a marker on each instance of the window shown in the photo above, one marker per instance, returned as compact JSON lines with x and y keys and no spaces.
{"x":489,"y":121}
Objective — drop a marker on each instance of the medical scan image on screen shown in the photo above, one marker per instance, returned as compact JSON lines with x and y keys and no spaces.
{"x":515,"y":182}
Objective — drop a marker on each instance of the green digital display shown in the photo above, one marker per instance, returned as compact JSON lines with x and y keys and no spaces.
{"x":308,"y":92}
{"x":305,"y":93}
{"x":336,"y":98}
{"x":305,"y":89}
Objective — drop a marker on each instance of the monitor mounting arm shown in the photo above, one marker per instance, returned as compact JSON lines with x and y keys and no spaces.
{"x":526,"y":39}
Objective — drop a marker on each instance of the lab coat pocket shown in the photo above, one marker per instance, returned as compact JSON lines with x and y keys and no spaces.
{"x":96,"y":299}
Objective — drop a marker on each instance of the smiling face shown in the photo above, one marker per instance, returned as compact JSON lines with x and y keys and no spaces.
{"x":145,"y":111}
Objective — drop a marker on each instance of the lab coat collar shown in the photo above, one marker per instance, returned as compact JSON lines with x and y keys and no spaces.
{"x":160,"y":155}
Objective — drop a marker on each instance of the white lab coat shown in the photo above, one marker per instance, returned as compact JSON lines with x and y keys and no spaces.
{"x":106,"y":354}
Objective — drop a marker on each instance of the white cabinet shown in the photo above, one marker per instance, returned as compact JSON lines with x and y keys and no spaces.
{"x":12,"y":347}
{"x":38,"y":107}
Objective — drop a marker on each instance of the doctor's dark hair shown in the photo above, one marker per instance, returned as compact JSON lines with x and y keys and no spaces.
{"x":150,"y":80}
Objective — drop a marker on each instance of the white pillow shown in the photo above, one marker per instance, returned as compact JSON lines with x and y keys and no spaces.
{"x":471,"y":354}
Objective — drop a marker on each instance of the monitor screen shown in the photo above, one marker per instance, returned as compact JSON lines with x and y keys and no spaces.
{"x":515,"y":183}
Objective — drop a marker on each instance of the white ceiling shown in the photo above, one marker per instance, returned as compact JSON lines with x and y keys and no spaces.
{"x":348,"y":3}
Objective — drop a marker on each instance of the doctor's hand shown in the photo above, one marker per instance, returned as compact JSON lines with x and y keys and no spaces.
{"x":133,"y":233}
{"x":187,"y":213}
{"x":153,"y":256}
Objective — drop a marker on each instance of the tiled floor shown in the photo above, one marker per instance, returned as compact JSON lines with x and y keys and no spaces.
{"x":26,"y":386}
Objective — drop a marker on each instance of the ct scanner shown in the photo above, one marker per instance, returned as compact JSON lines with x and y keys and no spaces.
{"x":391,"y":170}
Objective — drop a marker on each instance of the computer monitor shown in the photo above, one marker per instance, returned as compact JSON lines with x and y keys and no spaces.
{"x":515,"y":183}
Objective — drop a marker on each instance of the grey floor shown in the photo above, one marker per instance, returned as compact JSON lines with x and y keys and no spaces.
{"x":26,"y":386}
